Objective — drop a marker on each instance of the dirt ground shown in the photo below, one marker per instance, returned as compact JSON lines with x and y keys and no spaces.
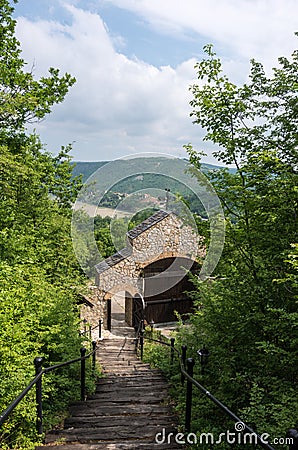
{"x":93,"y":210}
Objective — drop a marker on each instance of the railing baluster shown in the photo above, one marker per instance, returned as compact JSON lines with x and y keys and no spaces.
{"x":109,"y":314}
{"x":93,"y":357}
{"x":172,"y":350}
{"x":183,"y":357}
{"x":142,"y":343}
{"x":83,"y":373}
{"x":99,"y":329}
{"x":38,"y":368}
{"x":190,"y":365}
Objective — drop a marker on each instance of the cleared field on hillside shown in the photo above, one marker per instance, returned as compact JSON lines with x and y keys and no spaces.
{"x":93,"y":211}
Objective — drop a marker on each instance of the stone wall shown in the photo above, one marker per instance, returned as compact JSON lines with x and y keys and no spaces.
{"x":169,"y":237}
{"x":93,"y":314}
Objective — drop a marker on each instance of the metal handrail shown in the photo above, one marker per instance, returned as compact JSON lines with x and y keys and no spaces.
{"x":187,"y":374}
{"x":38,"y":379}
{"x":17,"y":400}
{"x":99,"y":326}
{"x":67,"y":363}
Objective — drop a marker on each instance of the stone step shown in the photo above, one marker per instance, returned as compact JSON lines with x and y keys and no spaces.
{"x":146,"y":399}
{"x":131,"y":380}
{"x":132,"y":445}
{"x":113,"y":356}
{"x":148,"y":371}
{"x":116,"y":347}
{"x":133,"y":386}
{"x":122,"y":341}
{"x":132,"y":367}
{"x":115,"y":362}
{"x":117,"y":421}
{"x":128,"y":394}
{"x":124,"y":366}
{"x":111,"y":434}
{"x":127,"y":370}
{"x":98,"y":409}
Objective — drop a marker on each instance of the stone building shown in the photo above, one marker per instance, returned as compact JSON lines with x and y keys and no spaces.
{"x":159,"y":253}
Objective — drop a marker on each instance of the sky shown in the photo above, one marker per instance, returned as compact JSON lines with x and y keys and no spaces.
{"x":134,"y":62}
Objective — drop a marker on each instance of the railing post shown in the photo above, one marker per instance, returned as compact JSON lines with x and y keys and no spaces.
{"x":172,"y":350}
{"x":109,"y":314}
{"x":93,"y":357}
{"x":184,"y":349}
{"x":90,"y":331}
{"x":99,"y":329}
{"x":83,"y":373}
{"x":142,"y":342}
{"x":293,"y":434}
{"x":190,"y":365}
{"x":38,"y":368}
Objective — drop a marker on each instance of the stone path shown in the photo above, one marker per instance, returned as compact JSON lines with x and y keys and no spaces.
{"x":130,"y":405}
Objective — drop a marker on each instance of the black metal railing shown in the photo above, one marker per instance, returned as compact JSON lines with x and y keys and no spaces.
{"x":37,"y":381}
{"x":186,"y":366}
{"x":87,"y":329}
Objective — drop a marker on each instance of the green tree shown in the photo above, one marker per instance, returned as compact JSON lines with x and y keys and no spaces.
{"x":245,"y":315}
{"x":38,"y":270}
{"x":22,"y":98}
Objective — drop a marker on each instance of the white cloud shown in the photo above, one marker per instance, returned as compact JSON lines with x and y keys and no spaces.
{"x":251,"y":28}
{"x":121,"y":105}
{"x":118,"y":105}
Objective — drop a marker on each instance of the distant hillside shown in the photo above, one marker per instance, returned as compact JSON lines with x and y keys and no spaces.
{"x":88,"y":168}
{"x":158,"y":174}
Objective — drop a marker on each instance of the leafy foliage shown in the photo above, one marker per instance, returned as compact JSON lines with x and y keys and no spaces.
{"x":246,"y":316}
{"x":22,"y":98}
{"x":38,"y":270}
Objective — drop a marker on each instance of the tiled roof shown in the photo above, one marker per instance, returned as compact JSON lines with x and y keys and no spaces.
{"x":83,"y":299}
{"x":152,"y":220}
{"x":112,"y":260}
{"x":132,"y":234}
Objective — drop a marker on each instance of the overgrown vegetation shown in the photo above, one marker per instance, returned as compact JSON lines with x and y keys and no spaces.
{"x":38,"y":271}
{"x":247,"y":316}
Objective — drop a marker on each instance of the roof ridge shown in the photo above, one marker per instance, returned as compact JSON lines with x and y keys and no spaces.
{"x":132,"y":234}
{"x":147,"y":223}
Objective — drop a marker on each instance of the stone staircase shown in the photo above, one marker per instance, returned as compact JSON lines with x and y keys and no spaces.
{"x":128,"y":409}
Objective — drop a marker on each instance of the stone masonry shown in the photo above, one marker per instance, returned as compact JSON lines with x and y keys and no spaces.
{"x":162,"y":235}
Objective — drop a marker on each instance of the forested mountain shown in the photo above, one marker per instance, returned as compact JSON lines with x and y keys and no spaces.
{"x":86,"y":169}
{"x":154,"y":174}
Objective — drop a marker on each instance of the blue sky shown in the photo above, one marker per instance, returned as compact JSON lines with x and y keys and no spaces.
{"x":134,"y":61}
